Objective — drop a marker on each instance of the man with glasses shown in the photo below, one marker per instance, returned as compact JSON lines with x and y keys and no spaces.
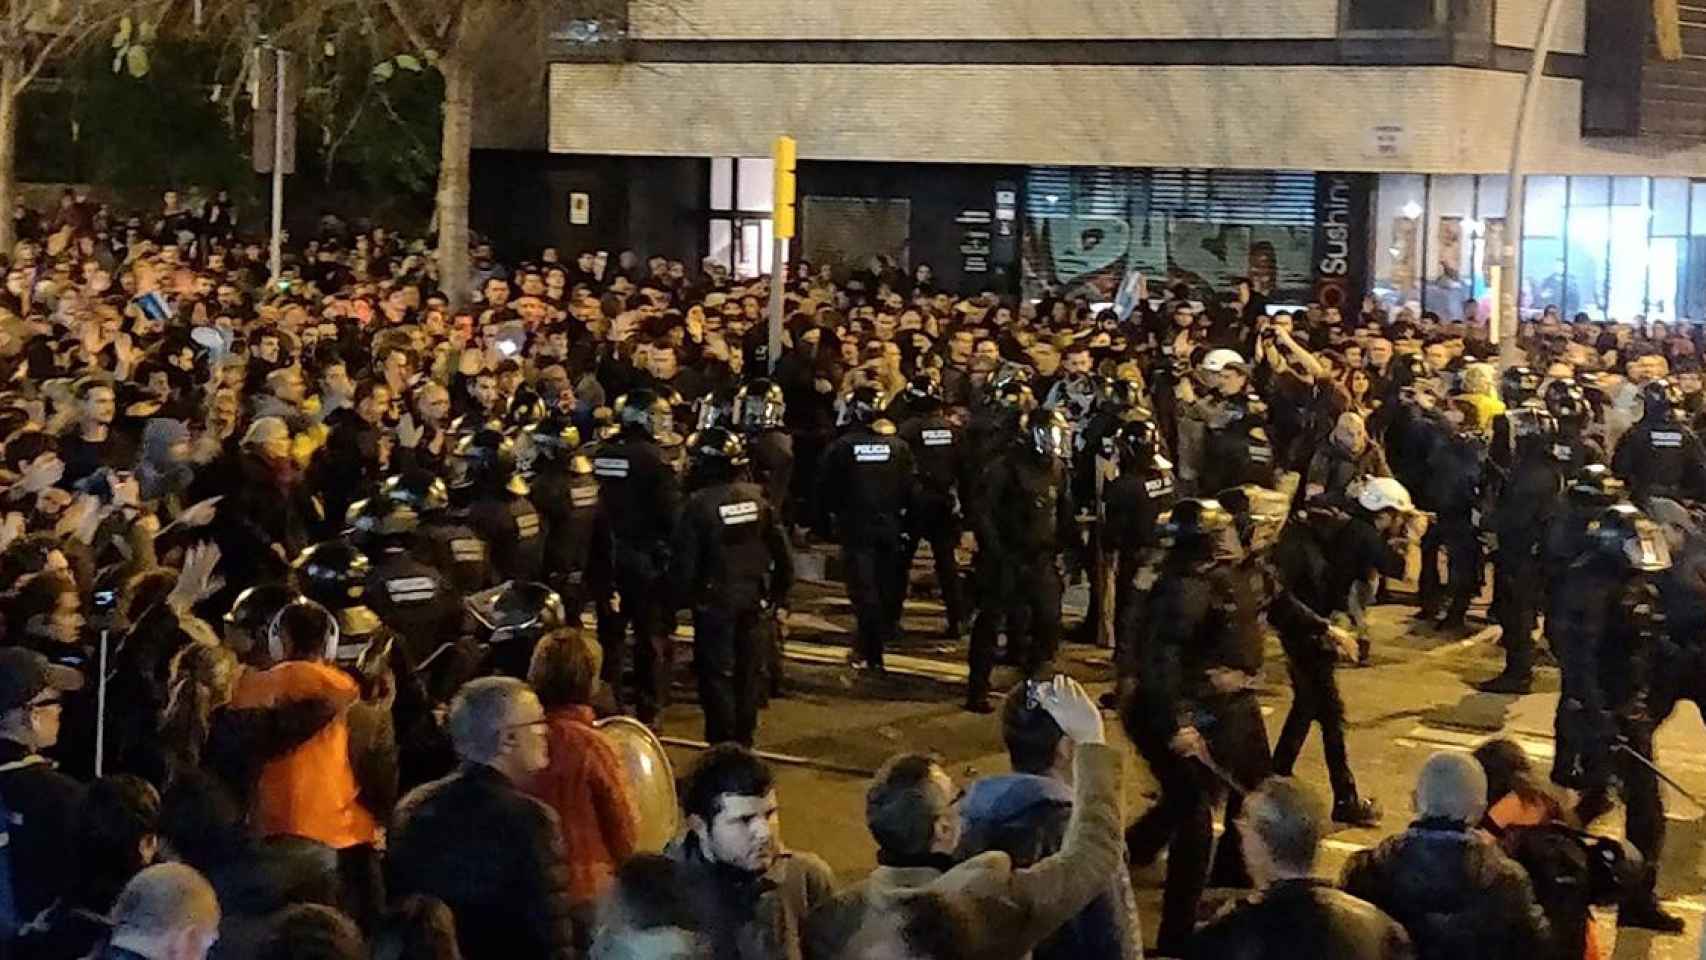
{"x":473,"y":839}
{"x":39,"y":799}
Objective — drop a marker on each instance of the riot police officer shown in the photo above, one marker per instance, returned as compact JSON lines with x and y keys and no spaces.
{"x":640,"y":495}
{"x":1027,"y":521}
{"x":514,"y":616}
{"x":334,"y":574}
{"x":249,"y":619}
{"x":1454,"y":484}
{"x":939,"y":450}
{"x":1531,"y":493}
{"x":1661,"y":456}
{"x":1320,"y":555}
{"x":494,"y":498}
{"x":1133,"y":503}
{"x":866,"y":490}
{"x":1608,"y":624}
{"x":758,"y":411}
{"x":1519,"y":386}
{"x":1236,"y":447}
{"x":444,"y":542}
{"x":1095,"y":461}
{"x":409,"y":596}
{"x":1572,"y":413}
{"x":1195,"y":717}
{"x":732,"y":567}
{"x":566,"y":494}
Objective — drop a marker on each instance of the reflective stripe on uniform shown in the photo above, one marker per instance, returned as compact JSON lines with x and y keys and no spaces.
{"x":411,"y":589}
{"x":610,"y":467}
{"x":734,"y":514}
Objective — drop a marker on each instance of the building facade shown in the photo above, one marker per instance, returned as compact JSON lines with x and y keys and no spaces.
{"x":1323,"y":148}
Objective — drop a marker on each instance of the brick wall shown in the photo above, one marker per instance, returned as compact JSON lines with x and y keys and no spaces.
{"x":1305,"y":118}
{"x":981,"y":19}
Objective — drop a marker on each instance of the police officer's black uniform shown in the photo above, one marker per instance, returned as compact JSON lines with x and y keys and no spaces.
{"x":565,"y":492}
{"x":759,"y":410}
{"x":444,"y":542}
{"x":409,"y":596}
{"x":866,"y":488}
{"x":1236,"y":447}
{"x":1608,"y":624}
{"x":994,"y":426}
{"x":1202,"y":655}
{"x":640,"y":495}
{"x":1029,"y":520}
{"x":1132,"y":505}
{"x":1661,"y":456}
{"x":939,"y":451}
{"x":731,"y":565}
{"x":1454,"y":489}
{"x":494,"y":500}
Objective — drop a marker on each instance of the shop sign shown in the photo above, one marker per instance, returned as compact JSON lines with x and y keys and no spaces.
{"x":1341,"y":238}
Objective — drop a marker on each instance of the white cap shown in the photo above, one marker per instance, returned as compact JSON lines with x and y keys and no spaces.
{"x":1376,"y":494}
{"x":1218,"y":360}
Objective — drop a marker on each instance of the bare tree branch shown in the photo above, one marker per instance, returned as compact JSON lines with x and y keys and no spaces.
{"x":410,"y":30}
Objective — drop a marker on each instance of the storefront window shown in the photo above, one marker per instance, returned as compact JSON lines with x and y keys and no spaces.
{"x":1544,"y":277}
{"x":1628,"y":254}
{"x":1400,"y":207}
{"x":1588,"y":247}
{"x":742,"y":198}
{"x":1667,"y":252}
{"x":1450,"y":221}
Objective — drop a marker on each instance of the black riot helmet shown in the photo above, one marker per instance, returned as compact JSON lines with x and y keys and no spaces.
{"x":252,"y":614}
{"x":1406,"y":369}
{"x":381,"y":519}
{"x":1595,"y":487}
{"x":1119,"y":396}
{"x":1014,"y":395}
{"x":759,"y":405}
{"x":1532,"y":426}
{"x":1074,"y":396}
{"x":1202,"y":530}
{"x":1626,"y":534}
{"x":924,"y":392}
{"x":419,"y":490}
{"x":645,"y":411}
{"x":1048,"y":433}
{"x":1518,"y":384}
{"x":717,"y":447}
{"x":861,"y":405}
{"x":525,"y":409}
{"x":332,"y":574}
{"x":1137,"y":443}
{"x":1660,"y":400}
{"x":486,"y":458}
{"x":714,"y":409}
{"x":555,"y":438}
{"x":516,"y":616}
{"x":1568,"y":404}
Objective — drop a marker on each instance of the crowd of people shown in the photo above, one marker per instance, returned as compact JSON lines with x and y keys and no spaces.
{"x":296,"y":567}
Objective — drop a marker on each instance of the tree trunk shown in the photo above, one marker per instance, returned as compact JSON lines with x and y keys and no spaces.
{"x":11,"y":71}
{"x":454,"y":148}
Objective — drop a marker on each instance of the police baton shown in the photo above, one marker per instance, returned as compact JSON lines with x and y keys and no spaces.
{"x":1220,"y":772}
{"x":1650,"y":765}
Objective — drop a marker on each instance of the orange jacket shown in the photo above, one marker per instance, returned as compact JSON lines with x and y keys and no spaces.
{"x":311,"y":791}
{"x":586,"y":786}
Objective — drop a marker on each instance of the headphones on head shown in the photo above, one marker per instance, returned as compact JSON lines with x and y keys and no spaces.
{"x":275,"y":636}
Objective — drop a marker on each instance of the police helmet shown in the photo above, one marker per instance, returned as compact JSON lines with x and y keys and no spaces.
{"x":484,"y":457}
{"x":1595,"y":486}
{"x":1137,"y":444}
{"x":333,"y":574}
{"x":1202,"y":529}
{"x":1531,"y":423}
{"x":714,"y":409}
{"x":511,"y":608}
{"x":1517,"y":384}
{"x":861,"y":405}
{"x":1626,"y":534}
{"x":254,"y":609}
{"x":1407,"y":368}
{"x":1660,"y":399}
{"x":555,"y":437}
{"x":1567,"y":402}
{"x":382,"y":517}
{"x":717,"y":445}
{"x":924,"y":392}
{"x":1014,"y":395}
{"x":1048,"y":432}
{"x":759,"y":405}
{"x":419,"y":490}
{"x":1119,"y":395}
{"x":645,"y":411}
{"x":526,"y":408}
{"x":472,"y":423}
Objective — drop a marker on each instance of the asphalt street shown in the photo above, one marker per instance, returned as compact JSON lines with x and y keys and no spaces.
{"x":834,"y":728}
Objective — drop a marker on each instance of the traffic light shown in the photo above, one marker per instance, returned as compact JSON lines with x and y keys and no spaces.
{"x":1667,"y":24}
{"x":785,"y":156}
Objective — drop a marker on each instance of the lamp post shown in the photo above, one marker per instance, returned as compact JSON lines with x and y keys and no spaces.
{"x":1504,"y":332}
